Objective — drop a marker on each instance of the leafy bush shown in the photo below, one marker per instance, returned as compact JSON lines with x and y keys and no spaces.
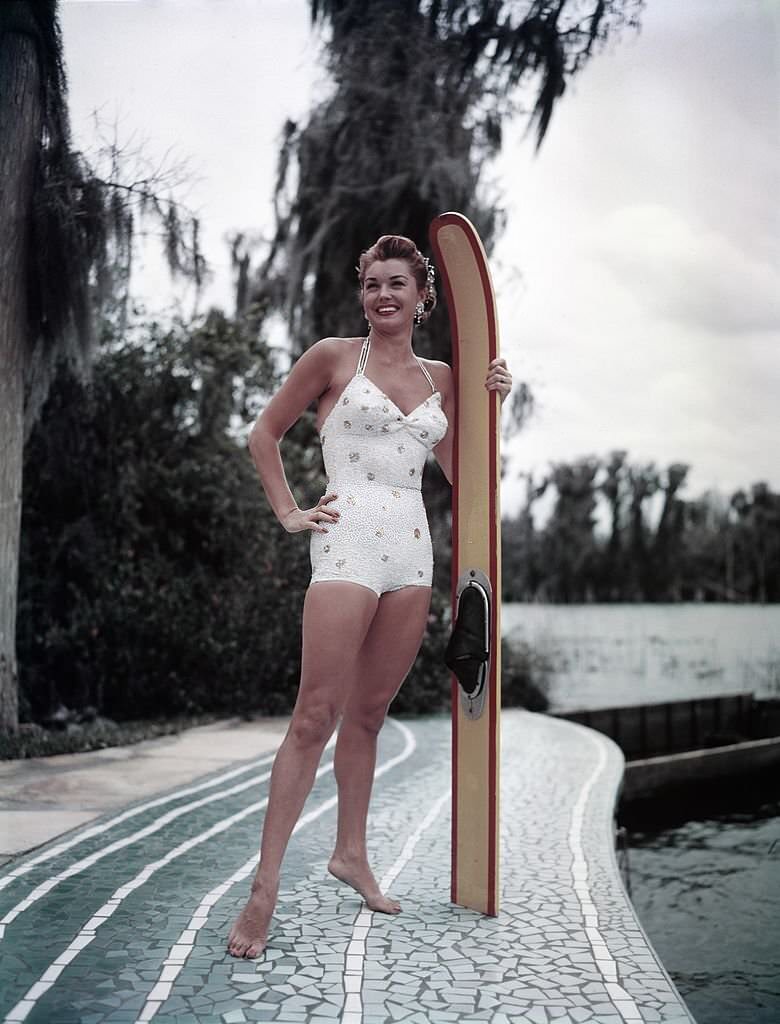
{"x":154,"y":579}
{"x":525,"y":677}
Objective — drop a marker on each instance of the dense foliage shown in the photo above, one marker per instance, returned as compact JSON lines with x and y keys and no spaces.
{"x":154,"y":577}
{"x":658,"y":547}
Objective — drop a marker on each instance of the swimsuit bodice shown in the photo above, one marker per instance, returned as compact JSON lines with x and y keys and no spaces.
{"x":366,"y":438}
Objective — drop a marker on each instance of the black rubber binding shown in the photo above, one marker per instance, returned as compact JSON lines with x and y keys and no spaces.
{"x":467,"y":653}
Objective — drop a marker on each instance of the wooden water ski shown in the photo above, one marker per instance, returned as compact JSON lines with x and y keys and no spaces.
{"x":476,"y":565}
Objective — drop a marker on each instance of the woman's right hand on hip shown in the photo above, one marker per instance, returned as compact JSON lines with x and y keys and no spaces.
{"x":316,"y":519}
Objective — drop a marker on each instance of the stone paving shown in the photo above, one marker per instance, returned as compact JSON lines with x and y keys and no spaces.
{"x":126,"y":920}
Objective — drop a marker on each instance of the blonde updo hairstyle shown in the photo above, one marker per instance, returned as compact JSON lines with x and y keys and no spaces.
{"x":398,"y":247}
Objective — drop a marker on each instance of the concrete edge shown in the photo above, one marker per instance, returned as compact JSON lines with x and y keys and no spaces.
{"x":642,"y":778}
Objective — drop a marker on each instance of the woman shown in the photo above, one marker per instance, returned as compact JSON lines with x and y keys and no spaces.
{"x":381,"y":410}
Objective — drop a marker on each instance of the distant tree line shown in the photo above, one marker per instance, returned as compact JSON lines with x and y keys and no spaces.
{"x":658,"y":546}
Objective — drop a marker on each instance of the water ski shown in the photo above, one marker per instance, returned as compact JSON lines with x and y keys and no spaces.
{"x":474,"y":651}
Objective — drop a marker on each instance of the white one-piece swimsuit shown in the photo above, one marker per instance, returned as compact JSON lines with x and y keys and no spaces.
{"x":374,"y":458}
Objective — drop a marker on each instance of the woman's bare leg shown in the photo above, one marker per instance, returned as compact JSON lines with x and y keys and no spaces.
{"x":336,"y":618}
{"x":388,"y":653}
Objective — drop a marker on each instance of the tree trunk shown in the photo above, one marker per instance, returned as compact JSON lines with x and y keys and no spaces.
{"x":20,"y":119}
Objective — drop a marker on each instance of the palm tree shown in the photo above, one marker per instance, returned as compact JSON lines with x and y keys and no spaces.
{"x":65,"y":241}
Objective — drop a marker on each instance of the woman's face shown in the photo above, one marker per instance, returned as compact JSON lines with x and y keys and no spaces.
{"x":390,"y":293}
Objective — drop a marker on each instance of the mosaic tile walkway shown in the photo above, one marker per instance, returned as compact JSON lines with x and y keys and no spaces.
{"x":126,"y":920}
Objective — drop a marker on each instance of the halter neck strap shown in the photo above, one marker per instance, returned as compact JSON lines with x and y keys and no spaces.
{"x":363,"y":357}
{"x":427,"y":375}
{"x":361,"y":366}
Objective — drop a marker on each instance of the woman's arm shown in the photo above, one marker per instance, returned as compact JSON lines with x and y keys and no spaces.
{"x":498,"y":379}
{"x":308,"y":379}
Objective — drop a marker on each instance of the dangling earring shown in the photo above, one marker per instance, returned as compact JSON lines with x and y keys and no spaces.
{"x":419,"y":311}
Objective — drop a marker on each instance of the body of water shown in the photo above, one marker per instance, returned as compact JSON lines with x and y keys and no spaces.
{"x":610,"y":655}
{"x":708,"y":896}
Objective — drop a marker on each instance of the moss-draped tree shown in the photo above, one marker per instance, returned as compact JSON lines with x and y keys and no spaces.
{"x":420,"y":91}
{"x":65,"y":241}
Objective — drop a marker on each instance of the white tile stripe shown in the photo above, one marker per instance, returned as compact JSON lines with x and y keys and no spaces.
{"x":180,"y":951}
{"x":87,"y":933}
{"x":621,"y":1000}
{"x":119,"y":844}
{"x":354,"y":963}
{"x":97,"y":830}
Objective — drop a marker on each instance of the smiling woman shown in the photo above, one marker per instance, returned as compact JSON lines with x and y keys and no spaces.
{"x":366,"y":609}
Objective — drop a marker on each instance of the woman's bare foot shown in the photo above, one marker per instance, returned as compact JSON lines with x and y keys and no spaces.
{"x":249,"y":934}
{"x":360,"y":877}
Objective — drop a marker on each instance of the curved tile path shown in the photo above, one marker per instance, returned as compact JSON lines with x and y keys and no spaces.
{"x":125,"y":920}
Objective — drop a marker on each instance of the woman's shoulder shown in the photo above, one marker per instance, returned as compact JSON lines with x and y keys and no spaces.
{"x":440,"y":371}
{"x":331,"y":351}
{"x":340,"y":342}
{"x":335,"y":348}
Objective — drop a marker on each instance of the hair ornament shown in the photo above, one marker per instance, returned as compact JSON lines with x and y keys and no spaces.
{"x":429,"y":271}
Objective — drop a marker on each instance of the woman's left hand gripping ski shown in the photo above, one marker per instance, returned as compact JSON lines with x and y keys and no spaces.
{"x":499,"y":378}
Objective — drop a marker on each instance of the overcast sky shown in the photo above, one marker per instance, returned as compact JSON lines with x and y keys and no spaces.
{"x":639,"y":275}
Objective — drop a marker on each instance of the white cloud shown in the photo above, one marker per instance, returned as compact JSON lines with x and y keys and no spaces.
{"x":698,"y":277}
